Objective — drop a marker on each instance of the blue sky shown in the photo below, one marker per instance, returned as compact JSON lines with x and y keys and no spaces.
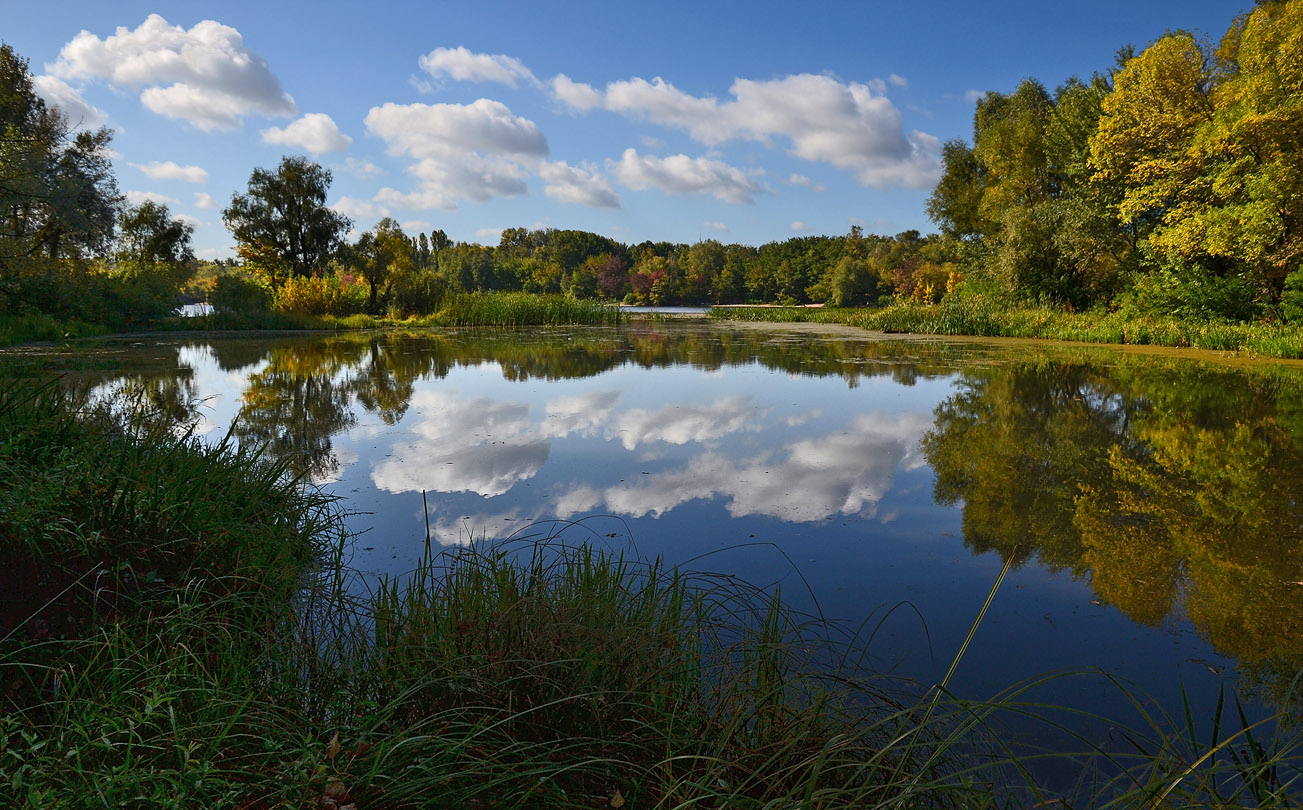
{"x":743,"y":122}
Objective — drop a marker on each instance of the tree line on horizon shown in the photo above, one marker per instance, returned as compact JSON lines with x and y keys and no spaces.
{"x":1170,"y":183}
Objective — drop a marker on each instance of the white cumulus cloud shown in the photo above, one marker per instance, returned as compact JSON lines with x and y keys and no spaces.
{"x":361,"y":169}
{"x":576,"y":95}
{"x":471,"y":151}
{"x":204,"y":200}
{"x":680,"y":174}
{"x":170,"y":170}
{"x":434,"y":130}
{"x":203,"y":75}
{"x":315,"y":132}
{"x":850,"y":125}
{"x":441,"y":182}
{"x":714,"y":226}
{"x":802,"y":180}
{"x":138,"y":197}
{"x":80,"y":113}
{"x":665,"y":104}
{"x":358,"y":209}
{"x":577,"y":184}
{"x":465,"y":66}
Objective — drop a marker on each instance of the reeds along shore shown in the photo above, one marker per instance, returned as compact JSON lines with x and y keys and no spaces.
{"x":182,"y":630}
{"x":982,"y":317}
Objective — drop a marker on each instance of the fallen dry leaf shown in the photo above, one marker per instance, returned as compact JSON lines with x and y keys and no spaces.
{"x":617,"y":800}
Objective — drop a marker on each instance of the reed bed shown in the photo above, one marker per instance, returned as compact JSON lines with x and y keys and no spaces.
{"x":523,"y":309}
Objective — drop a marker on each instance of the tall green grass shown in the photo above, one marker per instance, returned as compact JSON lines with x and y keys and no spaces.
{"x":16,"y":329}
{"x":523,"y":309}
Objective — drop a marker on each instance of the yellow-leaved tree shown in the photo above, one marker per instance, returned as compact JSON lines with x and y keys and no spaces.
{"x":1208,"y":146}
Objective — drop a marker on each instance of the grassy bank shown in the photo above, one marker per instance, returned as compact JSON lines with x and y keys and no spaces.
{"x":16,"y":329}
{"x":468,"y":309}
{"x":983,"y":317}
{"x":187,"y":634}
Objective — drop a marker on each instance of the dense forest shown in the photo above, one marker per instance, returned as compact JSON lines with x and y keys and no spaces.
{"x":1169,"y":183}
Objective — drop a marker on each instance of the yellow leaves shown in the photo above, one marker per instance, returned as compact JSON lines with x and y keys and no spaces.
{"x":1213,"y":149}
{"x":617,"y":801}
{"x":1149,"y":122}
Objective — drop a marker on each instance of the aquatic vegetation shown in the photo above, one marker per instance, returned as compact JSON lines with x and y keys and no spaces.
{"x":523,"y":309}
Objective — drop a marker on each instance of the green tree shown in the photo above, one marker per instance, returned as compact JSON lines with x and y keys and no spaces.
{"x":955,"y":205}
{"x":282,"y":222}
{"x":148,"y":234}
{"x":382,"y":253}
{"x":153,"y":260}
{"x":702,"y":264}
{"x":58,"y":197}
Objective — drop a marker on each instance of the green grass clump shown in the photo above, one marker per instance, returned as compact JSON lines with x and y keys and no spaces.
{"x":84,"y":482}
{"x":523,"y":309}
{"x":544,"y":674}
{"x":149,"y":580}
{"x":16,"y":329}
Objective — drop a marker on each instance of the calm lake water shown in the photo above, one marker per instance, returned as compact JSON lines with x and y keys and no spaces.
{"x":1152,"y":502}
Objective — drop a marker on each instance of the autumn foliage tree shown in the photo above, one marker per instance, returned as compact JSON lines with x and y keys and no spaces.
{"x":1172,"y":183}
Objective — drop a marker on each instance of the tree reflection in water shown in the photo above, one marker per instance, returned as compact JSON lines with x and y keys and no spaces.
{"x":1168,"y":485}
{"x":1171,"y":485}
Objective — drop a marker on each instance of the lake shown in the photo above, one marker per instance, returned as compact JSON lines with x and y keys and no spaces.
{"x":1151,"y":501}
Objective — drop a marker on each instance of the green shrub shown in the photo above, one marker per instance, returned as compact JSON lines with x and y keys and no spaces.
{"x":239,"y":294}
{"x":1192,"y":292}
{"x":1291,"y":299}
{"x":417,"y":293}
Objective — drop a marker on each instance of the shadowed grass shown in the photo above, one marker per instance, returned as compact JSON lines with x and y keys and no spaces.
{"x":16,"y":329}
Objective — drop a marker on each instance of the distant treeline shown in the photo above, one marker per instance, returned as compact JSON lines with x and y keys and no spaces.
{"x":419,"y":271}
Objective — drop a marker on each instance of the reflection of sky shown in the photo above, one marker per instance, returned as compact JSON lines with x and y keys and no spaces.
{"x":682,"y":462}
{"x":226,"y":388}
{"x":847,"y":472}
{"x":462,"y":444}
{"x":762,"y":450}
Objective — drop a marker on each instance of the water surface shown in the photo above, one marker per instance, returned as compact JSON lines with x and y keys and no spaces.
{"x":1151,"y":503}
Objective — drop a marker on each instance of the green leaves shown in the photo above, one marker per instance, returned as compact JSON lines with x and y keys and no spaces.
{"x":282,"y":222}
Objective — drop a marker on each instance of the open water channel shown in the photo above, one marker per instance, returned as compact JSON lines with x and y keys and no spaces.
{"x":1152,"y":501}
